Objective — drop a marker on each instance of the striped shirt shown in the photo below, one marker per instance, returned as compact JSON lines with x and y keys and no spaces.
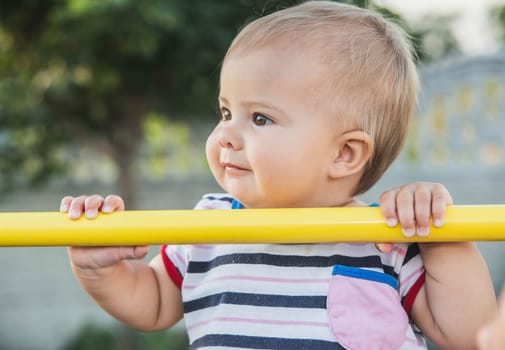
{"x":296,"y":296}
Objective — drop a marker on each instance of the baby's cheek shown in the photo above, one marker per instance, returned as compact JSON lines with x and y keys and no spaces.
{"x":212,"y":150}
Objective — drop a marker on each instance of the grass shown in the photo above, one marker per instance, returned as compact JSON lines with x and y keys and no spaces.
{"x":94,"y":337}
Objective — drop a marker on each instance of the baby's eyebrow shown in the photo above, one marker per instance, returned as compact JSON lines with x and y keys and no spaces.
{"x":253,"y":104}
{"x":222,"y":99}
{"x":262,"y":105}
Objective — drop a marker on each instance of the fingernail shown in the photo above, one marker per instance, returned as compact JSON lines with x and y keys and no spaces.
{"x":438,"y":222}
{"x":106,"y":209}
{"x":74,"y":214}
{"x":392,"y":222}
{"x":408,"y":232}
{"x":423,"y":231}
{"x":64,"y":208}
{"x":91,"y":214}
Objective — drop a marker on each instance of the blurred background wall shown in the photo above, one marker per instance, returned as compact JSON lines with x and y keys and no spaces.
{"x":118,"y":96}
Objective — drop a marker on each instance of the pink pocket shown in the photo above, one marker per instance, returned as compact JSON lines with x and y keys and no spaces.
{"x":364,"y":309}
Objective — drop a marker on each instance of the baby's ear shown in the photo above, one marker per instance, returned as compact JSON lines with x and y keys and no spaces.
{"x":353,"y":151}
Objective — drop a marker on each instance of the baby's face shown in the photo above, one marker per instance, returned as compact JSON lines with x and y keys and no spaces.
{"x":273,"y":145}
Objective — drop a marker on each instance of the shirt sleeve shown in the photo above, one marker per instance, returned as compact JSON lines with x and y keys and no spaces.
{"x":175,"y":261}
{"x":411,"y":277}
{"x":176,"y":257}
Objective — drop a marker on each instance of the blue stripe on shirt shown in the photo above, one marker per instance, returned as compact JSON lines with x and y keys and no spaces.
{"x":248,"y":342}
{"x":251,"y":299}
{"x":412,"y":252}
{"x":223,"y":199}
{"x":290,"y":261}
{"x":369,"y":275}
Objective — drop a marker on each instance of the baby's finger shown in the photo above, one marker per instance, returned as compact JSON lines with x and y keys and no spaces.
{"x":387,"y":203}
{"x":441,"y":199}
{"x":405,"y":208}
{"x":92,"y":204}
{"x":65,"y":203}
{"x":112,"y":203}
{"x":422,"y":205}
{"x":76,"y":207}
{"x":133,"y":252}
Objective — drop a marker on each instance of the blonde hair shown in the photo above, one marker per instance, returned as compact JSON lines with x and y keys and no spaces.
{"x":371,"y":71}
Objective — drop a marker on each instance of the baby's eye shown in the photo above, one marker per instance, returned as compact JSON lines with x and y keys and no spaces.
{"x":225,"y":114}
{"x":260,"y":119}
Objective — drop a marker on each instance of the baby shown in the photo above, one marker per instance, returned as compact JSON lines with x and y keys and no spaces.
{"x":315,"y":102}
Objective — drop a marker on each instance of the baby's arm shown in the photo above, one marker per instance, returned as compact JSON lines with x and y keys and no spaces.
{"x":457,"y":296}
{"x":492,"y":335}
{"x":140,"y":295}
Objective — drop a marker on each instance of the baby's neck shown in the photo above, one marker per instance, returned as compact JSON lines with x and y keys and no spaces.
{"x":354,"y":203}
{"x":351,"y":202}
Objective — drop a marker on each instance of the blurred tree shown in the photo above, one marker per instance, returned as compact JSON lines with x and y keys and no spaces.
{"x":91,"y":70}
{"x":27,"y":138}
{"x":86,"y":71}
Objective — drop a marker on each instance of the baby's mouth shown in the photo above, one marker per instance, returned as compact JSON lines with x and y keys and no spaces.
{"x":232,"y":167}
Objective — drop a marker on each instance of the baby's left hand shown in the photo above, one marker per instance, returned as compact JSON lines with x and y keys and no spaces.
{"x":414,"y":206}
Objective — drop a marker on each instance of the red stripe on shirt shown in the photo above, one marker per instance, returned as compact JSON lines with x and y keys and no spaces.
{"x":172,"y":271}
{"x":411,"y":295}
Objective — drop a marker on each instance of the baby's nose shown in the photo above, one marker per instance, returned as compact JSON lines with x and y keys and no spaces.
{"x":230,"y":137}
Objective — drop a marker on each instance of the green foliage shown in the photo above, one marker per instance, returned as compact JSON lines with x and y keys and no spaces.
{"x":497,"y":13}
{"x":85,"y":71}
{"x":94,"y":337}
{"x":28,"y":139}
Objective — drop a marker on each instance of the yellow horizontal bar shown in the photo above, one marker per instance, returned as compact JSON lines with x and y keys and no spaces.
{"x":152,"y":227}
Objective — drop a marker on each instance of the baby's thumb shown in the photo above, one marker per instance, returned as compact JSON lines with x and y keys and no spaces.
{"x":384,"y":247}
{"x":134,"y":252}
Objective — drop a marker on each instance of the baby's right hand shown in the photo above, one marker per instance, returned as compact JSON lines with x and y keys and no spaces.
{"x":94,"y":258}
{"x":90,"y":205}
